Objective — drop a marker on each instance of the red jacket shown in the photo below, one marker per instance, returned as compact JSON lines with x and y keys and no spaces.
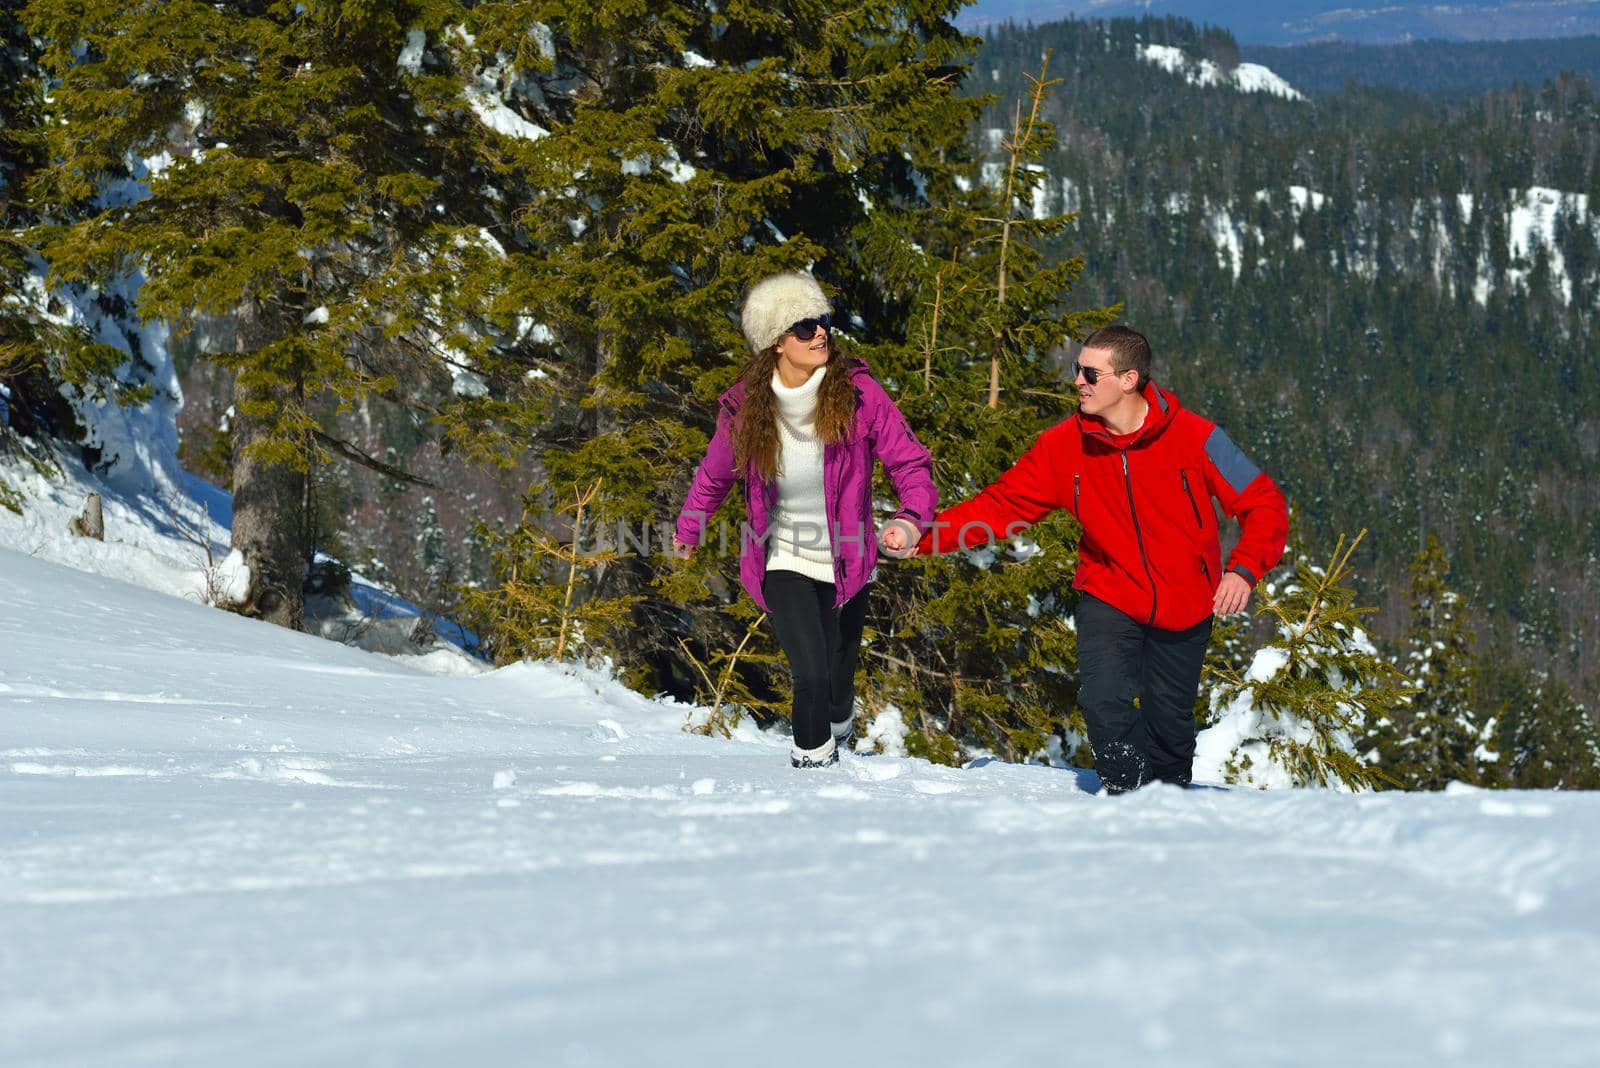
{"x":1149,"y":545}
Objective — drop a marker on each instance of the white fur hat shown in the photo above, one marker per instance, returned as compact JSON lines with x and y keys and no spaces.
{"x":777,"y":303}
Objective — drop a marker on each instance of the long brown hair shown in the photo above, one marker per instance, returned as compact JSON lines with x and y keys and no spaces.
{"x":755,"y":430}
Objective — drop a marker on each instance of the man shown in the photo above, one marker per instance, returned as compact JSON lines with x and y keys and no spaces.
{"x":1138,"y":471}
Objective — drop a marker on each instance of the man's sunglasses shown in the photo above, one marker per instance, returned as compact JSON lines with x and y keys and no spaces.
{"x":806,"y":329}
{"x":1091,"y":375}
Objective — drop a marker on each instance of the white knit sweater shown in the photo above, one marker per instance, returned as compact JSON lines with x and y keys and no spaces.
{"x":800,"y":540}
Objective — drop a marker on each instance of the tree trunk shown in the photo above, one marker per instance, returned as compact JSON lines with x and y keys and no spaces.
{"x":269,"y":499}
{"x":91,"y":524}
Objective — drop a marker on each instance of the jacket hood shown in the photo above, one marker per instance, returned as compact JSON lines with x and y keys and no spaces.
{"x":1164,"y":407}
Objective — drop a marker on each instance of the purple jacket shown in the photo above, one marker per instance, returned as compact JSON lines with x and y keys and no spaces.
{"x":880,"y":433}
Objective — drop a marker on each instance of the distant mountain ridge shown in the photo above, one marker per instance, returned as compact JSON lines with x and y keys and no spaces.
{"x":1305,"y":21}
{"x":1429,"y":66}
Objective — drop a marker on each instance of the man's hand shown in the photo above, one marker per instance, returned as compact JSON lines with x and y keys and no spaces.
{"x":681,"y":550}
{"x":1233,"y":593}
{"x":898,"y":539}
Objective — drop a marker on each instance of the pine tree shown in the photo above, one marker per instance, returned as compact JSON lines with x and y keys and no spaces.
{"x":20,"y":93}
{"x":434,"y":566}
{"x":300,"y":174}
{"x":44,"y":354}
{"x":686,"y":151}
{"x":724,"y":695}
{"x":1434,"y":737}
{"x":536,"y":609}
{"x":1302,"y":707}
{"x":976,"y":651}
{"x":1550,"y":738}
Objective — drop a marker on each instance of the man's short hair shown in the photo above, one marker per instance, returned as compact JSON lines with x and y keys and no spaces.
{"x":1130,"y":350}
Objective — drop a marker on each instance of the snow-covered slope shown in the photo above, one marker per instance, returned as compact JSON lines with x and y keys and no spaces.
{"x":174,"y":539}
{"x":223,"y":843}
{"x":166,"y":540}
{"x":1246,"y":77}
{"x":1530,"y":220}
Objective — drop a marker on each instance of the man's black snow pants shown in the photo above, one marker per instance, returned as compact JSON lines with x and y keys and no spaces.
{"x":1120,"y":659}
{"x":822,"y":643}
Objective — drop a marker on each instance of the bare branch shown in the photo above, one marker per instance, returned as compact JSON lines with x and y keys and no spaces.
{"x":350,"y":452}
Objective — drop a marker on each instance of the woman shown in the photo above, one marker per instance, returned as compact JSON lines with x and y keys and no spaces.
{"x":802,"y":428}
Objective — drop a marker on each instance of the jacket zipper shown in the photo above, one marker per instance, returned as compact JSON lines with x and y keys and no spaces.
{"x":1190,"y":494}
{"x":829,"y":495}
{"x":1076,"y":480}
{"x":1127,"y":480}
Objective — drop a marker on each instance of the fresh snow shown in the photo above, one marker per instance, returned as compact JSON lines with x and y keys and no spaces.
{"x":156,"y":165}
{"x":1266,"y":664}
{"x":493,"y":113}
{"x":1246,"y":77}
{"x":645,"y":162}
{"x":1533,"y":225}
{"x":1302,"y":198}
{"x":410,"y":61}
{"x":1040,"y":209}
{"x":468,"y":383}
{"x":488,"y":103}
{"x":168,"y":540}
{"x":538,"y":333}
{"x":1254,"y":78}
{"x":677,"y":170}
{"x":544,"y":38}
{"x":1227,"y":235}
{"x":227,"y":843}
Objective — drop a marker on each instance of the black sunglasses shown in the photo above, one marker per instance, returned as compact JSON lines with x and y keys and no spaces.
{"x":806,"y":329}
{"x":1091,"y":375}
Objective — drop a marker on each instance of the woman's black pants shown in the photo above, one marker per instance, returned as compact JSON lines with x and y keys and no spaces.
{"x":822,"y":643}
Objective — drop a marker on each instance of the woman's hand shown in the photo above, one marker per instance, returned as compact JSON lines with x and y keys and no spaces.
{"x":897,"y":539}
{"x":680,"y":549}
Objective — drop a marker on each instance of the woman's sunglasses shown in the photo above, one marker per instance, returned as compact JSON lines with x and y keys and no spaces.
{"x":806,"y":329}
{"x":1091,"y":375}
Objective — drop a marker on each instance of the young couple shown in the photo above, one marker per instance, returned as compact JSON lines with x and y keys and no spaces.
{"x":802,"y":429}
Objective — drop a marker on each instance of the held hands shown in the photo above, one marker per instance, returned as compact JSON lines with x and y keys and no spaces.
{"x":897,"y":539}
{"x":1233,"y":593}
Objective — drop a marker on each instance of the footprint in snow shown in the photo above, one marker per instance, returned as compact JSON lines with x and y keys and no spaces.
{"x":875,"y":770}
{"x":608,"y":730}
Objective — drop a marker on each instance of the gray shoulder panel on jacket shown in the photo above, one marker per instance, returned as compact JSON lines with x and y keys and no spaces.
{"x":1236,"y":468}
